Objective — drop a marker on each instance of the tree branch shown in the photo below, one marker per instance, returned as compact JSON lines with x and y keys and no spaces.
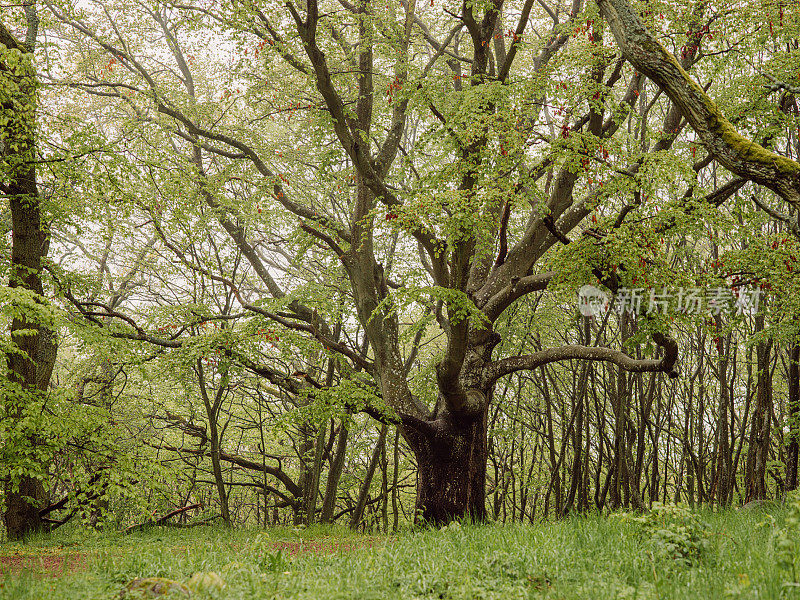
{"x":665,"y":364}
{"x":738,"y":154}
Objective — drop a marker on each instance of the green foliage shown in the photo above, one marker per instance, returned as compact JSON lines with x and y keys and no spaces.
{"x":675,"y":533}
{"x":459,"y":306}
{"x":17,"y":119}
{"x":348,"y":396}
{"x":75,"y":447}
{"x":786,"y":540}
{"x":137,"y":224}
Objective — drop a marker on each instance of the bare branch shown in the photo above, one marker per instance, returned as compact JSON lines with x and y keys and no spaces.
{"x":527,"y":362}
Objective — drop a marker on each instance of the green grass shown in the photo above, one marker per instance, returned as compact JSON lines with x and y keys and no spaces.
{"x":582,"y":557}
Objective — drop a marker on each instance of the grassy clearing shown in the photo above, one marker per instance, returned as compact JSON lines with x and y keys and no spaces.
{"x":582,"y":557}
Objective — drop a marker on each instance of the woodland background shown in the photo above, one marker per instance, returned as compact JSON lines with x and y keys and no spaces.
{"x":191,"y":200}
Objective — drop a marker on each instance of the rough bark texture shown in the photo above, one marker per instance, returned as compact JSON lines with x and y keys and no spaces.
{"x":449,"y":440}
{"x":31,"y":370}
{"x":451,"y":458}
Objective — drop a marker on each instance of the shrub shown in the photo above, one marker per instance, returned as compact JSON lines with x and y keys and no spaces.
{"x":675,"y":533}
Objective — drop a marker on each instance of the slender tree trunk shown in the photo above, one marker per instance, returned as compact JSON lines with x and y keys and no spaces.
{"x":305,"y":449}
{"x":555,"y":477}
{"x":698,"y":465}
{"x":619,"y":471}
{"x":758,"y":451}
{"x":583,"y":490}
{"x":363,"y":496}
{"x":740,"y":447}
{"x":216,"y":467}
{"x":321,"y":449}
{"x":212,"y":413}
{"x":334,"y":474}
{"x":721,"y":487}
{"x":311,"y":491}
{"x":395,"y":477}
{"x":793,"y":416}
{"x":384,"y":489}
{"x":99,"y":503}
{"x":577,"y":443}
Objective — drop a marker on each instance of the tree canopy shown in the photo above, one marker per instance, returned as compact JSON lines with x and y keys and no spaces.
{"x":263,"y":230}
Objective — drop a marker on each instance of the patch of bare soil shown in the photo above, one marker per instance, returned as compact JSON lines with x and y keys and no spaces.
{"x":53,"y":565}
{"x":59,"y":564}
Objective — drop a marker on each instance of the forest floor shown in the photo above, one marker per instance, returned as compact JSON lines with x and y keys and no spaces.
{"x":670,"y":554}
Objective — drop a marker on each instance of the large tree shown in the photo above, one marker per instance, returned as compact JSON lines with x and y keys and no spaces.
{"x":31,"y":354}
{"x":492,"y":167}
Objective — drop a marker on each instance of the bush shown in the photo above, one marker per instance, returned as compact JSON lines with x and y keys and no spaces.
{"x":675,"y":533}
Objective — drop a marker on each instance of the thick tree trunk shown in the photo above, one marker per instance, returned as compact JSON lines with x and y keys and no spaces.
{"x":451,"y":460}
{"x":21,"y":516}
{"x":30,"y":371}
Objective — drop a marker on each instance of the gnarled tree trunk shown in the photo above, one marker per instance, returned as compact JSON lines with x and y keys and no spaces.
{"x":451,"y":458}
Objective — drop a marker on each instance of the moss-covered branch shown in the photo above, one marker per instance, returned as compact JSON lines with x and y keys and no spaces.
{"x":740,"y":155}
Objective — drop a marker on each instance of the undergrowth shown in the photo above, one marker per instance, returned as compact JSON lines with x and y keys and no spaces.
{"x":668,"y":553}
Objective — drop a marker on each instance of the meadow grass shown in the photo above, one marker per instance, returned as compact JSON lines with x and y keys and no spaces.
{"x":592,"y":557}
